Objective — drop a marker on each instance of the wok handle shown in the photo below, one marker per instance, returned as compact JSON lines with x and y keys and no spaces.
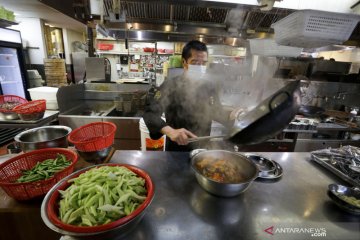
{"x":275,"y":96}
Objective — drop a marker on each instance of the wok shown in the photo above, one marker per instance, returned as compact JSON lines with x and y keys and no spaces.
{"x":268,"y":119}
{"x":311,"y":111}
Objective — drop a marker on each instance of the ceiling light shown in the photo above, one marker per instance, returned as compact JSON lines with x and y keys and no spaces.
{"x":139,"y":35}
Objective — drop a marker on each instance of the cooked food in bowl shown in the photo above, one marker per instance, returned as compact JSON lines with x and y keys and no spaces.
{"x":223,"y":173}
{"x":220,"y":170}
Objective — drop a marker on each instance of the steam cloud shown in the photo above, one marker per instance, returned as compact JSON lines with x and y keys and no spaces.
{"x":239,"y":85}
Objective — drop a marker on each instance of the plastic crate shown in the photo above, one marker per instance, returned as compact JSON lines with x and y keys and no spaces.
{"x":268,"y":47}
{"x":313,"y":29}
{"x":11,"y":170}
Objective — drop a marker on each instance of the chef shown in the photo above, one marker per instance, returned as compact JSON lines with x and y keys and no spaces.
{"x":190,"y":103}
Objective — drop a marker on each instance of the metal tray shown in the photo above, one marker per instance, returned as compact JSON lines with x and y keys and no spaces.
{"x":326,"y":162}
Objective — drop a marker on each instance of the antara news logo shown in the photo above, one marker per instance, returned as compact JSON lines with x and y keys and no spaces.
{"x":314,"y":232}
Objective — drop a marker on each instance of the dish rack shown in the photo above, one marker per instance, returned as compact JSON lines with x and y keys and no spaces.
{"x":268,"y":47}
{"x":313,"y":29}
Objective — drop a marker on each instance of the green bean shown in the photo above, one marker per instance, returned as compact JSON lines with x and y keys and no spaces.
{"x":105,"y":194}
{"x":44,"y":170}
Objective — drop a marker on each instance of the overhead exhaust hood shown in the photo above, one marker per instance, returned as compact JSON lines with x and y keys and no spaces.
{"x":163,"y":21}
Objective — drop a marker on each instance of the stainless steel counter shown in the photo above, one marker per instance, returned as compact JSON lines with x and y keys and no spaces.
{"x":183,"y":210}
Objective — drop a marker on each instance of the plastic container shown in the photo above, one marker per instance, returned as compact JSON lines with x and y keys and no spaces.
{"x":93,"y":136}
{"x":11,"y":170}
{"x":47,"y":93}
{"x":313,"y":29}
{"x":148,"y":144}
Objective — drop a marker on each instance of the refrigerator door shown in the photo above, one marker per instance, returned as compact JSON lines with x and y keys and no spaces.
{"x":11,"y":82}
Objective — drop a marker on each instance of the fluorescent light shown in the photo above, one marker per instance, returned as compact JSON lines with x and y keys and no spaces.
{"x":139,"y":35}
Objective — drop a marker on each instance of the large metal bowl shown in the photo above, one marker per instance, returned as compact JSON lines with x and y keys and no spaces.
{"x":96,"y":157}
{"x":246,"y":168}
{"x":119,"y":230}
{"x":8,"y":116}
{"x":43,"y":137}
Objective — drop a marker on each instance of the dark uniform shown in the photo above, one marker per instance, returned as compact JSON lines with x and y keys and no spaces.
{"x":187,"y":105}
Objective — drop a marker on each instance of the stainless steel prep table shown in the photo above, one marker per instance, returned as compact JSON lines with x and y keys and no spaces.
{"x":183,"y":210}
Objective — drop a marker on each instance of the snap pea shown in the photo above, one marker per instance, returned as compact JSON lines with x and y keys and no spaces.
{"x":101,"y":195}
{"x":44,"y":170}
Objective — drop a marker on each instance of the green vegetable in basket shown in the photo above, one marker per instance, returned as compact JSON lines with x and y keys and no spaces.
{"x":45,"y":169}
{"x":101,"y":195}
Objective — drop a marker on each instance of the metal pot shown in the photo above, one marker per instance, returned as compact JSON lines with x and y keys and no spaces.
{"x":43,"y":137}
{"x":246,"y":168}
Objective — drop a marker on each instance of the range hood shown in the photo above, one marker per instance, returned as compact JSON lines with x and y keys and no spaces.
{"x":182,"y":20}
{"x":215,"y":23}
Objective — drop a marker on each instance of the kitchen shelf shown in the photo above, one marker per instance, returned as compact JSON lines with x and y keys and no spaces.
{"x":226,"y":56}
{"x":48,"y":117}
{"x":107,"y":39}
{"x":6,"y":23}
{"x":123,"y":53}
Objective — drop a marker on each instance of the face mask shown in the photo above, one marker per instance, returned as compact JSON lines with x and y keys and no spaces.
{"x":196,"y":72}
{"x":197,"y":69}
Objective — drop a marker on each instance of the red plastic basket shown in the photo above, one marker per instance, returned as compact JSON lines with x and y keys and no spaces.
{"x":10,"y":98}
{"x":35,"y":106}
{"x":52,"y":206}
{"x":93,"y":136}
{"x":10,"y":171}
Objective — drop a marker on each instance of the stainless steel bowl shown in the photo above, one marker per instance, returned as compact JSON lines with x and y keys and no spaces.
{"x":246,"y":168}
{"x":96,"y":157}
{"x":8,"y":116}
{"x":335,"y":191}
{"x":116,"y":233}
{"x":43,"y":137}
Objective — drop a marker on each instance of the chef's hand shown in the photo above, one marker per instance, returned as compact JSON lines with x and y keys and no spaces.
{"x":235,"y":113}
{"x":180,"y":136}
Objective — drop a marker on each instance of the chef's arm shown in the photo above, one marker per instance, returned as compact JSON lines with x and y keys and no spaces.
{"x":225,"y":116}
{"x":180,"y":136}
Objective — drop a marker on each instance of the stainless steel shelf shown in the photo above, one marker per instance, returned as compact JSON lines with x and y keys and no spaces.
{"x":49,"y":116}
{"x":6,"y":23}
